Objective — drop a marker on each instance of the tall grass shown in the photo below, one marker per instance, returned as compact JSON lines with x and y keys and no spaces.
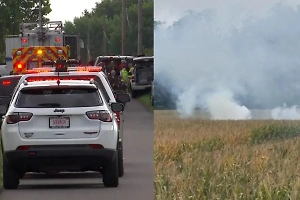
{"x":206,"y":159}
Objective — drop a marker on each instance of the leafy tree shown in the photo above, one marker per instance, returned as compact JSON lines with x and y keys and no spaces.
{"x":103,"y":26}
{"x":13,"y":12}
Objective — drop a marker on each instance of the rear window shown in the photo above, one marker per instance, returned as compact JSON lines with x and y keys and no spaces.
{"x":74,"y":77}
{"x":147,"y":62}
{"x":7,"y":85}
{"x":62,"y":97}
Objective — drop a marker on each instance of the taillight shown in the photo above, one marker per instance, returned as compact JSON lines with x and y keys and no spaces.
{"x":101,"y":115}
{"x":132,"y":78}
{"x":23,"y":148}
{"x":16,"y":117}
{"x":118,"y":115}
{"x":96,"y":146}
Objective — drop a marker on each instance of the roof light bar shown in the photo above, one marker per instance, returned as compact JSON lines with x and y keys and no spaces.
{"x":86,"y":69}
{"x":38,"y":70}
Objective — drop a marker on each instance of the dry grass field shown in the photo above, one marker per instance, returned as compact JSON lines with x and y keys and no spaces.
{"x":205,"y":159}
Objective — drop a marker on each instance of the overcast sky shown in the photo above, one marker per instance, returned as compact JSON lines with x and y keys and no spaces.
{"x":68,"y":9}
{"x":172,"y":10}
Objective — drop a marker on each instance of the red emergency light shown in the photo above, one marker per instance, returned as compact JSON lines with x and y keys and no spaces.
{"x":57,"y":39}
{"x":6,"y":82}
{"x":24,"y":40}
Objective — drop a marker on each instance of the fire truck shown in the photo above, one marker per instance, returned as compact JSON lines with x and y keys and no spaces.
{"x":36,"y":44}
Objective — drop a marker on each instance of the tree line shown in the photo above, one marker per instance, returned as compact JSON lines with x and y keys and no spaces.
{"x":100,"y":29}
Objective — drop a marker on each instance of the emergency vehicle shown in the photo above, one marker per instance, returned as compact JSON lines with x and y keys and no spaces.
{"x":36,"y":44}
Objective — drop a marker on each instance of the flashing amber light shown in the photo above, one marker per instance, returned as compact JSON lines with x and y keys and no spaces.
{"x":39,"y":52}
{"x":6,"y":82}
{"x":35,"y":71}
{"x":57,"y":39}
{"x":24,"y":40}
{"x":19,"y":66}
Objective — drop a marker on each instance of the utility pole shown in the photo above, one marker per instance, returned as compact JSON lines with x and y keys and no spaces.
{"x":104,"y":37}
{"x":88,"y":41}
{"x":40,"y":20}
{"x":123,"y":26}
{"x":140,"y":27}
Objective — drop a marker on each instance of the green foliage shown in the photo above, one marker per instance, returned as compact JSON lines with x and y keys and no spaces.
{"x":13,"y":12}
{"x":146,"y":101}
{"x":274,"y":132}
{"x":104,"y":25}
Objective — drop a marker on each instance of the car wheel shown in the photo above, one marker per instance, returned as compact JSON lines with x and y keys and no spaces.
{"x":111,"y":174}
{"x":120,"y":160}
{"x":10,"y":176}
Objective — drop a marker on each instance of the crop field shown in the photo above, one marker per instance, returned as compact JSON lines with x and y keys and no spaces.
{"x":210,"y":159}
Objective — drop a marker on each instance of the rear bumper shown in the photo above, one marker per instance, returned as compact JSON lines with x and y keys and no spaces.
{"x":140,"y":87}
{"x":59,"y":157}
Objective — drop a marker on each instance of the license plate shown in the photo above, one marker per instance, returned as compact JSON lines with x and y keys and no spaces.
{"x":59,"y":122}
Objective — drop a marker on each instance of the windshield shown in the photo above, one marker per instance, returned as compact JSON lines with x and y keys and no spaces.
{"x":58,"y":97}
{"x":74,"y":77}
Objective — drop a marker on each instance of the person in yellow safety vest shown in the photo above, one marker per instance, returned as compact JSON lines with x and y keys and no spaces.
{"x":68,"y":51}
{"x":131,"y":69}
{"x":124,"y":75}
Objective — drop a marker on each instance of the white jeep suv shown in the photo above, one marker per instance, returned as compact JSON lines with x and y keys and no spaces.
{"x":59,"y":126}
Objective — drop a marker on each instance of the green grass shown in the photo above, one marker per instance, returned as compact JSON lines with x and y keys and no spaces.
{"x":145,"y":100}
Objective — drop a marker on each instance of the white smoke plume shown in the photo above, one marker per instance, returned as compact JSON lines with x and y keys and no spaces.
{"x":221,"y":105}
{"x":285,"y":113}
{"x":249,"y":49}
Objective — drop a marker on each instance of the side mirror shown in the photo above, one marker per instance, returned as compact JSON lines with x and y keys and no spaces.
{"x":122,"y":97}
{"x":117,"y":107}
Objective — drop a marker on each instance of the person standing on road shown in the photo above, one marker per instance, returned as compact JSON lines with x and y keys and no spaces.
{"x":113,"y":79}
{"x":110,"y":67}
{"x":124,"y":76}
{"x":120,"y":85}
{"x":131,"y":69}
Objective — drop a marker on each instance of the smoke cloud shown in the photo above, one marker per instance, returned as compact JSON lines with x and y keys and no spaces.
{"x":230,"y":59}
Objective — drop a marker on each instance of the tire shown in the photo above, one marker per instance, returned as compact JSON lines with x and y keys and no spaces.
{"x":10,"y":176}
{"x":120,"y":160}
{"x":111,"y":173}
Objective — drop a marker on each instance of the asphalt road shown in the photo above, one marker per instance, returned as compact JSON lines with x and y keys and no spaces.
{"x":136,"y":184}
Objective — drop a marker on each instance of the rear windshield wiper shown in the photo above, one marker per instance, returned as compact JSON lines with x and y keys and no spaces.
{"x":49,"y":105}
